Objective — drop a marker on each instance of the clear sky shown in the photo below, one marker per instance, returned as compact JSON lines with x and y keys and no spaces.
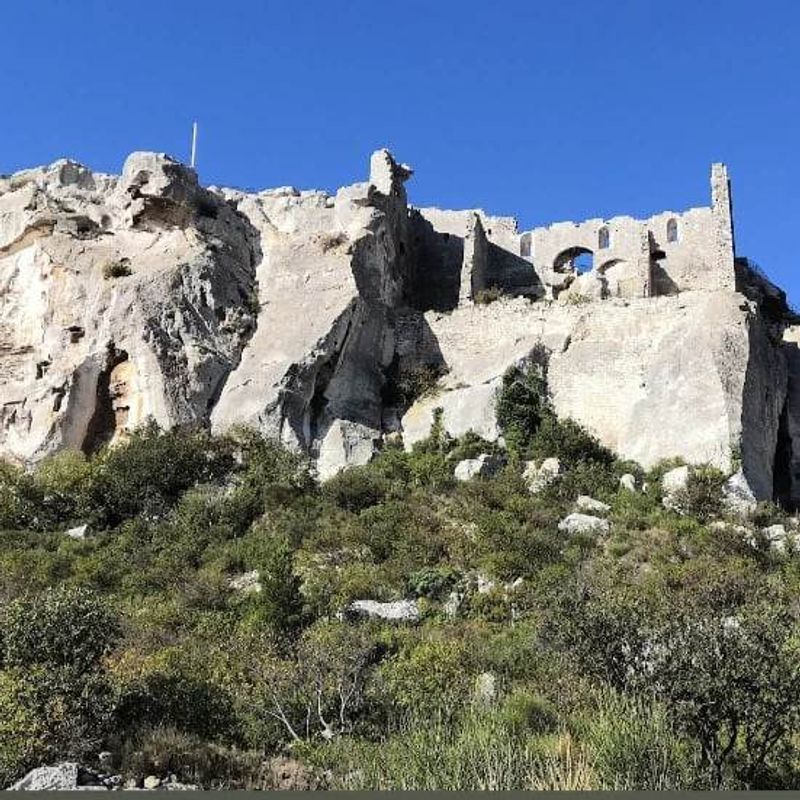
{"x":545,"y":110}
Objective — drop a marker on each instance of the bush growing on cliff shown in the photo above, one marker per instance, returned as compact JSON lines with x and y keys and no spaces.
{"x":531,"y":427}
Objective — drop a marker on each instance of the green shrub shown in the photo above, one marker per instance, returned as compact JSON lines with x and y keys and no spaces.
{"x":20,"y":730}
{"x":117,"y":269}
{"x":62,"y":627}
{"x":432,"y":582}
{"x":279,"y":601}
{"x":356,"y":488}
{"x":521,"y":403}
{"x":430,"y":680}
{"x":702,"y":495}
{"x":148,"y":472}
{"x":567,"y":441}
{"x":172,"y":697}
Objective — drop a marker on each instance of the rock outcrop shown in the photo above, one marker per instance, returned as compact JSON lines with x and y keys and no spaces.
{"x":310,"y":316}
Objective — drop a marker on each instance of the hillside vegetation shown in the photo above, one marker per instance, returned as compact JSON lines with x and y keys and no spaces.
{"x":662,"y":654}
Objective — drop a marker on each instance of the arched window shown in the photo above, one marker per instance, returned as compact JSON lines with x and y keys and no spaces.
{"x":603,"y":239}
{"x":525,"y":245}
{"x":672,"y":230}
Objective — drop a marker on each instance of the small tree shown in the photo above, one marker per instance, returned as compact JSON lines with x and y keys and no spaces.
{"x":732,"y":682}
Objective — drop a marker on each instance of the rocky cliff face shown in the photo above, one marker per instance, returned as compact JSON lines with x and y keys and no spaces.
{"x":303,"y":314}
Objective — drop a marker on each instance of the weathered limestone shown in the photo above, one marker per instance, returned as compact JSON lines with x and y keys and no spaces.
{"x":247,"y":582}
{"x":540,"y":476}
{"x":672,"y":483}
{"x":583,"y":523}
{"x":589,"y":505}
{"x":145,"y":295}
{"x":691,"y":376}
{"x":737,"y":494}
{"x":484,"y":466}
{"x":396,"y":611}
{"x":85,"y":355}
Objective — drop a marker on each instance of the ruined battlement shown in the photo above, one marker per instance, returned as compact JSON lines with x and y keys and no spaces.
{"x":667,"y":253}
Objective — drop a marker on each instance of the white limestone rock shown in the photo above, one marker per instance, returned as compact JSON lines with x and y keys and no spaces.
{"x":673,"y":482}
{"x":779,"y":538}
{"x":58,"y":778}
{"x":78,"y":532}
{"x":591,"y":506}
{"x":485,"y":692}
{"x":395,"y":611}
{"x":247,"y":582}
{"x":484,"y":466}
{"x":583,"y":523}
{"x":540,"y":476}
{"x":628,"y":482}
{"x":737,"y":495}
{"x":66,"y":776}
{"x":146,"y":295}
{"x":652,"y":378}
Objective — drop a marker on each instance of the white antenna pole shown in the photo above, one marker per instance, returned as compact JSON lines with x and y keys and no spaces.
{"x":194,"y":143}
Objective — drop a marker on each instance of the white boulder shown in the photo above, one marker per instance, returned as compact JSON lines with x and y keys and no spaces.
{"x":539,"y":476}
{"x":583,"y":523}
{"x":484,"y":466}
{"x":737,"y":495}
{"x":778,"y":538}
{"x":628,"y":482}
{"x":78,"y":532}
{"x":591,"y":506}
{"x":395,"y":611}
{"x":247,"y":582}
{"x":673,"y":482}
{"x":58,"y":778}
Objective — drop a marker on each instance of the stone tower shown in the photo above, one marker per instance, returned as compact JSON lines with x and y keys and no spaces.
{"x":722,"y":226}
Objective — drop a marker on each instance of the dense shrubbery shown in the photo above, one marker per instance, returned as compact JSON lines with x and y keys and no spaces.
{"x":662,"y":655}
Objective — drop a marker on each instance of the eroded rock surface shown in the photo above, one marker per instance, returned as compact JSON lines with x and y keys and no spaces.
{"x":311,"y":316}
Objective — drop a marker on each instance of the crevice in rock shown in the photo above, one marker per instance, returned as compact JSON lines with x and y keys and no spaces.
{"x":782,"y":464}
{"x":104,"y":422}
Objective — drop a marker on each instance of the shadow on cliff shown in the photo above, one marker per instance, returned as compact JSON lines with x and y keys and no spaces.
{"x":768,"y":395}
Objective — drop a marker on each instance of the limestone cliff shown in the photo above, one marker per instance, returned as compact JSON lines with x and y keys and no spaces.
{"x":300,"y":313}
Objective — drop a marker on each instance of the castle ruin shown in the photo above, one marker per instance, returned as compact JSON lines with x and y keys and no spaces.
{"x":665,"y":254}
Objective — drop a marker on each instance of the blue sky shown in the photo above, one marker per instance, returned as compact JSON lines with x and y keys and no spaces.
{"x":564,"y":109}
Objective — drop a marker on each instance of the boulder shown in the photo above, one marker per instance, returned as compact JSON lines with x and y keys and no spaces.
{"x":673,"y":482}
{"x":539,"y":476}
{"x":737,"y":495}
{"x":395,"y":611}
{"x":591,"y":506}
{"x":583,"y":523}
{"x":486,"y":688}
{"x":484,"y":466}
{"x":152,"y":782}
{"x":778,"y":538}
{"x":66,"y":776}
{"x":627,"y":482}
{"x":78,"y":532}
{"x":58,"y":778}
{"x":247,"y":582}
